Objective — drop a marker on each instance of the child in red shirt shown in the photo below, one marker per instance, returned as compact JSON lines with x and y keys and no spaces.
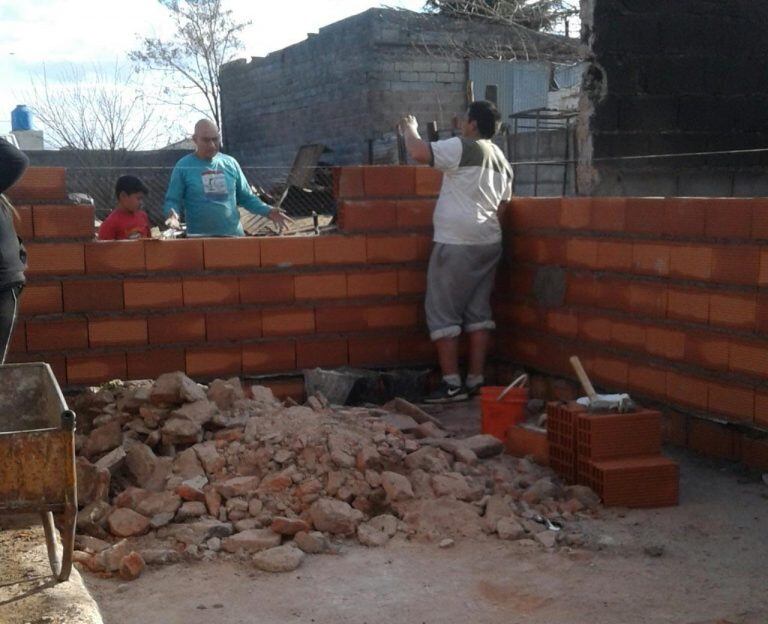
{"x":127,"y":220}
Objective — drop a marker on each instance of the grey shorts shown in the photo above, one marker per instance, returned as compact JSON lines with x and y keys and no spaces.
{"x":460,"y":279}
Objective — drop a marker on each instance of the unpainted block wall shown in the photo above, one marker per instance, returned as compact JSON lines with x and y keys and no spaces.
{"x":679,"y":77}
{"x":349,"y":84}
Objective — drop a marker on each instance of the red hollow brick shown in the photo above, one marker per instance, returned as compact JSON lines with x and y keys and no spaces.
{"x":736,"y":265}
{"x":611,"y":371}
{"x":267,"y":288}
{"x":595,"y":328}
{"x":372,"y":284}
{"x":685,"y":217}
{"x":674,"y":428}
{"x":174,"y":255}
{"x":628,"y":334}
{"x":762,"y":278}
{"x":372,"y":351}
{"x":645,"y":215}
{"x":220,"y":290}
{"x":534,"y":212}
{"x":269,"y":357}
{"x":321,"y":286}
{"x":400,"y":315}
{"x":563,"y":323}
{"x":686,"y":390}
{"x":95,"y":369}
{"x":411,"y":281}
{"x":608,"y":214}
{"x":760,"y":219}
{"x":39,"y":298}
{"x":762,"y":313}
{"x":176,"y":328}
{"x":576,"y":212}
{"x":614,"y":256}
{"x":417,"y":348}
{"x":153,"y":293}
{"x":55,"y":258}
{"x":367,"y":215}
{"x":328,"y":353}
{"x":688,"y":305}
{"x":288,"y":322}
{"x":749,"y":357}
{"x":754,"y":453}
{"x":110,"y":332}
{"x":233,"y":325}
{"x":428,"y":181}
{"x":729,"y":218}
{"x":285,"y":251}
{"x":733,"y":310}
{"x":712,"y":439}
{"x":402,"y":248}
{"x":761,"y":409}
{"x":581,"y":252}
{"x":414,"y":213}
{"x":389,"y":181}
{"x":39,"y":184}
{"x":55,"y":335}
{"x":667,"y":343}
{"x":340,"y":319}
{"x":232,"y":253}
{"x":350,"y":182}
{"x":707,"y":350}
{"x":214,"y":361}
{"x":648,"y":381}
{"x":340,"y":250}
{"x":648,"y":299}
{"x":690,"y":261}
{"x":287,"y":388}
{"x":651,"y":259}
{"x":114,"y":257}
{"x":63,"y":221}
{"x":92,"y":295}
{"x":736,"y":402}
{"x":150,"y":365}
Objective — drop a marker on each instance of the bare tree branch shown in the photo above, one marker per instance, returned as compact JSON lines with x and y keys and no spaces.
{"x":207,"y":36}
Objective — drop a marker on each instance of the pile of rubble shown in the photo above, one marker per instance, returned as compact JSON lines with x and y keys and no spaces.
{"x":173,"y":469}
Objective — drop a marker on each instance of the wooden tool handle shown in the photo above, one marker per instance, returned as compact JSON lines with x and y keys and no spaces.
{"x":582,"y":375}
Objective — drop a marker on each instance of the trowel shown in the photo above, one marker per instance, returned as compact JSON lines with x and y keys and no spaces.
{"x":594,"y":402}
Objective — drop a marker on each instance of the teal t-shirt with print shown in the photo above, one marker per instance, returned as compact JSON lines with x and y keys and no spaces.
{"x":207,"y":193}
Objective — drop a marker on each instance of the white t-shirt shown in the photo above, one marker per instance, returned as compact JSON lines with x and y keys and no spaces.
{"x":476,"y":179}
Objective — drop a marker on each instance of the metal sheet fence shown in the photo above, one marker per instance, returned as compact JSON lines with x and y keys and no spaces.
{"x":268,"y":182}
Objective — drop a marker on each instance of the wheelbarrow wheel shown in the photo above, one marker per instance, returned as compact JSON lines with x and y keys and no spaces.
{"x":61,"y":565}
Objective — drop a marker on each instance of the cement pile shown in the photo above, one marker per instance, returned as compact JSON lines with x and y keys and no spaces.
{"x":174,"y":470}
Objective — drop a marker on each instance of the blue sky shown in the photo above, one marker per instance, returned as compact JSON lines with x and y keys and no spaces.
{"x":57,"y":33}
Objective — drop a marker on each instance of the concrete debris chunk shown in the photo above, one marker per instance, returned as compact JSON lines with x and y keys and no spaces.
{"x":484,"y":445}
{"x":281,"y":559}
{"x":313,"y":543}
{"x":253,"y":540}
{"x":103,"y":439}
{"x":334,"y":516}
{"x":377,"y":531}
{"x":175,"y":388}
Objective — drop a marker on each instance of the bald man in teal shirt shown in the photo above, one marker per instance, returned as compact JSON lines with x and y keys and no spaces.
{"x":208,"y":186}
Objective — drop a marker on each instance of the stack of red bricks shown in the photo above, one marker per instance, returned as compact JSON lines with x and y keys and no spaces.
{"x":617,"y":455}
{"x":217,"y":307}
{"x":664,"y":298}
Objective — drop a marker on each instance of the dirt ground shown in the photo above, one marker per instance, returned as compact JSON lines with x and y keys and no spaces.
{"x":28,"y":594}
{"x":700,"y":563}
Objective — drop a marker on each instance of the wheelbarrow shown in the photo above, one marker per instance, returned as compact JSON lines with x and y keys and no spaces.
{"x":37,"y":456}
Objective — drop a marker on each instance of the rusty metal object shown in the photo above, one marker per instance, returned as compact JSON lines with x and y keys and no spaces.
{"x":37,"y":455}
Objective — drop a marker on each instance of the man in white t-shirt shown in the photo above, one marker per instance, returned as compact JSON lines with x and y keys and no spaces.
{"x":467,"y":242}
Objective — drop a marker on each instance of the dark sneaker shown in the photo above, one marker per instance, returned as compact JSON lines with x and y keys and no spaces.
{"x":447,"y":393}
{"x":474,"y":390}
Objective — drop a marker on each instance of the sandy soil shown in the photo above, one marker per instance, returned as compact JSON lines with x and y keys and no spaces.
{"x":28,"y":593}
{"x":702,"y":562}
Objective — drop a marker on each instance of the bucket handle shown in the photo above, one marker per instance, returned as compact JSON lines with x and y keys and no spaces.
{"x":517,"y":381}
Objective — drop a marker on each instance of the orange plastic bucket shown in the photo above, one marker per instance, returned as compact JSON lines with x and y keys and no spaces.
{"x":498,"y":416}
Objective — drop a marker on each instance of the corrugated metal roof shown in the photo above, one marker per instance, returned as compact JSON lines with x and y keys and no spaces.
{"x":521,"y":85}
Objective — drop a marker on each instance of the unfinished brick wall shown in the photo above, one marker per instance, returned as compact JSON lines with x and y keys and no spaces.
{"x":212,"y":307}
{"x":664,"y":298}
